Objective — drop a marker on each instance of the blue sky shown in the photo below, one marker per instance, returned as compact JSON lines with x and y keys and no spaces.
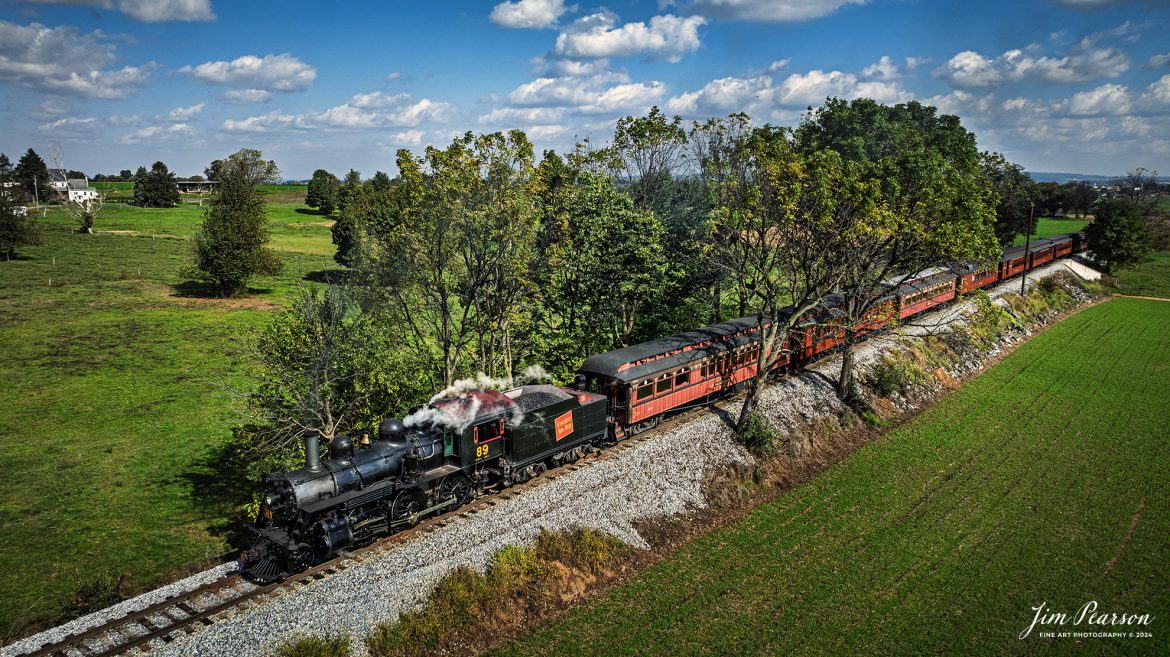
{"x":1055,"y":85}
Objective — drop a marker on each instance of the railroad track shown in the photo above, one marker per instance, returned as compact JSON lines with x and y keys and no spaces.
{"x":180,"y":614}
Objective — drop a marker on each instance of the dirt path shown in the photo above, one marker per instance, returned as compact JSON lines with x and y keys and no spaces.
{"x":1134,"y":296}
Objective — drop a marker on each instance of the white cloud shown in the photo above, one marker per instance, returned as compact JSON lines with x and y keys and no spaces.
{"x":149,"y":11}
{"x":1158,"y":61}
{"x":883,"y":69}
{"x":777,"y":65}
{"x":247,"y":96}
{"x":1136,"y":126}
{"x":272,"y":72}
{"x":156,"y":133}
{"x":667,"y":37}
{"x":552,"y":91}
{"x":545,"y":132}
{"x":62,"y":60}
{"x":409,"y":137}
{"x":186,"y":113}
{"x":1084,"y":62}
{"x":362,"y":112}
{"x":519,"y":115}
{"x":1159,"y":91}
{"x":723,"y":96}
{"x":378,"y":99}
{"x":271,"y":122}
{"x":775,"y":11}
{"x":812,"y":88}
{"x":72,"y":129}
{"x":531,"y":14}
{"x":632,"y":97}
{"x":1091,"y":4}
{"x":1107,"y":99}
{"x":393,"y":75}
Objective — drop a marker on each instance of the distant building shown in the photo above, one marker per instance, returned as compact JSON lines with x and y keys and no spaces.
{"x":79,"y":191}
{"x":196,"y":186}
{"x":58,"y":181}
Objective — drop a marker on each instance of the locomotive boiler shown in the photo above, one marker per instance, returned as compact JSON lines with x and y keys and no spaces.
{"x":439,"y":458}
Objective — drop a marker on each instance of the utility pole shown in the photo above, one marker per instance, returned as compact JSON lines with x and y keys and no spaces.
{"x":1027,"y":245}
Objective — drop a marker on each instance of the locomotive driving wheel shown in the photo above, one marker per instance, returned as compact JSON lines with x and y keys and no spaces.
{"x":459,"y":487}
{"x":406,"y":507}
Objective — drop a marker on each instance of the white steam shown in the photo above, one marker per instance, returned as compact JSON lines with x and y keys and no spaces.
{"x":462,"y":408}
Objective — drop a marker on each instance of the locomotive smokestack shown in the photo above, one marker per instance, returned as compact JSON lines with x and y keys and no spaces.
{"x":312,"y":454}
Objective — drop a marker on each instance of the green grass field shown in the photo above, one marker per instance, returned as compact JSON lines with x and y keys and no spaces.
{"x":294,"y":226}
{"x":1044,"y":480}
{"x":1051,"y":226}
{"x":1149,"y":279}
{"x":114,"y":405}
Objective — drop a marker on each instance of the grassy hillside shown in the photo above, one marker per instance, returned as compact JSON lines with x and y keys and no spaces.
{"x":1044,"y":480}
{"x":114,"y":404}
{"x":1149,"y":279}
{"x":1051,"y":226}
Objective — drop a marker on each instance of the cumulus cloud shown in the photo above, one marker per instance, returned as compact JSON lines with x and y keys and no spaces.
{"x":1107,"y":99}
{"x":271,"y":72}
{"x":532,"y":14}
{"x":545,"y":132}
{"x":632,"y":97}
{"x":409,"y":137}
{"x":772,"y":11}
{"x":149,"y":11}
{"x":597,"y":35}
{"x":723,"y":96}
{"x":72,"y":129}
{"x":186,"y":113}
{"x":1085,"y":62}
{"x":1159,"y":91}
{"x":62,"y":60}
{"x":814,"y":87}
{"x":1158,"y":61}
{"x":157,"y":133}
{"x":361,"y":112}
{"x":247,"y":96}
{"x":519,"y":115}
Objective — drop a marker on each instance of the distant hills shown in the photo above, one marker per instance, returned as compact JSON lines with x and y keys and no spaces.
{"x":1048,"y":176}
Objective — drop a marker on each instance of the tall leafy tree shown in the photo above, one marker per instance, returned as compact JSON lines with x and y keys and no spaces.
{"x":33,"y":175}
{"x":350,"y":191}
{"x":5,"y":168}
{"x":18,"y":226}
{"x":157,"y":188}
{"x":775,"y":226}
{"x":1118,"y":236}
{"x":1015,"y":209}
{"x":647,"y":152}
{"x":448,"y":264}
{"x":322,"y":191}
{"x":231,"y":245}
{"x":915,"y":179}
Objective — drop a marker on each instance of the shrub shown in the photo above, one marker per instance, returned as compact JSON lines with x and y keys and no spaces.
{"x":896,"y":373}
{"x":94,"y":593}
{"x":466,"y":599}
{"x":315,"y":646}
{"x":758,"y":436}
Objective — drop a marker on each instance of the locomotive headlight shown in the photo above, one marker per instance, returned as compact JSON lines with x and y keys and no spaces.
{"x":273,"y":499}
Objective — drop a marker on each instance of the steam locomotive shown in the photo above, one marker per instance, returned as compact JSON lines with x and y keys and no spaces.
{"x":451,"y":450}
{"x":448,"y":451}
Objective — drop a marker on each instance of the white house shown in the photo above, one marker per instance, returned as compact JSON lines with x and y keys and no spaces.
{"x":80,"y":191}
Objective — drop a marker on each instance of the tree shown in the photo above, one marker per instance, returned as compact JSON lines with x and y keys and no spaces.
{"x":17,"y":226}
{"x":247,"y":165}
{"x":449,"y":264}
{"x":1015,"y":210}
{"x":1079,"y":197}
{"x":648,"y":151}
{"x":5,"y":168}
{"x":1118,"y":236}
{"x":922,"y":197}
{"x":350,"y":191}
{"x":85,"y":210}
{"x":231,"y":245}
{"x":140,"y":185}
{"x":322,"y":191}
{"x":157,"y":188}
{"x":125,"y":175}
{"x":774,"y":230}
{"x":33,"y":176}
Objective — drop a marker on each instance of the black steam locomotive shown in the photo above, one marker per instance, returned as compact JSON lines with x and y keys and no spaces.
{"x":445,"y":454}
